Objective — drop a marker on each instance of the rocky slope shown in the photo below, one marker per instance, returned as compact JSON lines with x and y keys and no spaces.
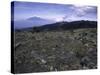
{"x":55,"y":50}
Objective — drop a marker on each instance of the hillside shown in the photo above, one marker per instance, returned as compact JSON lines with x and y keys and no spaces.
{"x":67,"y":25}
{"x":55,"y":50}
{"x":61,"y":26}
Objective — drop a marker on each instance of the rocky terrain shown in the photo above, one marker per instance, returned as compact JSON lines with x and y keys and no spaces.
{"x":62,"y":50}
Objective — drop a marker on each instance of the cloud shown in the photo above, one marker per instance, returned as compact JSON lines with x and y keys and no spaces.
{"x":83,"y":10}
{"x":80,"y":12}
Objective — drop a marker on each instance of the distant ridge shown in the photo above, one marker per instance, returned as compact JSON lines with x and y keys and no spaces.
{"x":65,"y":26}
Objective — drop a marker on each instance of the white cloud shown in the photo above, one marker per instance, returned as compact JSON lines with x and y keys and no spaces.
{"x":81,"y":13}
{"x":82,"y":10}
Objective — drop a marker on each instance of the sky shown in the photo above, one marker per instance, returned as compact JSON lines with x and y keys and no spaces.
{"x":56,"y":12}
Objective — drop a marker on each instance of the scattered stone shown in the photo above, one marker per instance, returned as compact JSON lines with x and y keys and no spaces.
{"x":51,"y":68}
{"x":91,"y":65}
{"x":17,"y":45}
{"x":84,"y":61}
{"x":43,"y":61}
{"x":84,"y":67}
{"x":55,"y":51}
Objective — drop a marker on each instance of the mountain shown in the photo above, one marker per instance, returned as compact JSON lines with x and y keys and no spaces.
{"x":62,"y":26}
{"x":66,"y":25}
{"x":30,"y":22}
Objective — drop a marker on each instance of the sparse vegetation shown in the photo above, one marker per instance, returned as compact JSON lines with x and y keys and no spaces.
{"x":55,"y":50}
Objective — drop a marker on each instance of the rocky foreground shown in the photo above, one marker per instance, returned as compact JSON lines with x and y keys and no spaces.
{"x":55,"y":50}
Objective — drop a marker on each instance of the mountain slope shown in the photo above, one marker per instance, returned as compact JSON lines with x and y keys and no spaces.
{"x":67,"y":25}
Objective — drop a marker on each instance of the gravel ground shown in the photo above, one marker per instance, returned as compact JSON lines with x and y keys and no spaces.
{"x":55,"y":50}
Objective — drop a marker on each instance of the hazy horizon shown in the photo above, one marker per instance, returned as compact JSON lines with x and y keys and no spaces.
{"x":54,"y":12}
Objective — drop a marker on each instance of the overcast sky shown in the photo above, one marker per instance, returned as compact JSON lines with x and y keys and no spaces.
{"x":57,"y":12}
